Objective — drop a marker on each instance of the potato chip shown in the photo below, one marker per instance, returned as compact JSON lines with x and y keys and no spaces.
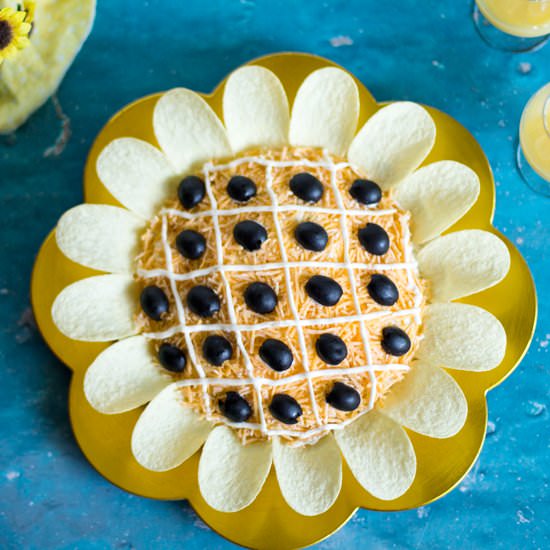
{"x":325,"y":111}
{"x":188,"y":130}
{"x":99,"y":236}
{"x":463,"y":263}
{"x":461,"y":336}
{"x":309,"y":476}
{"x":437,"y":196}
{"x":380,"y":455}
{"x":427,"y":401}
{"x":96,"y":309}
{"x":124,"y":376}
{"x":232,"y":474}
{"x":393,"y":142}
{"x":167,"y":432}
{"x":137,"y":174}
{"x":255,"y":109}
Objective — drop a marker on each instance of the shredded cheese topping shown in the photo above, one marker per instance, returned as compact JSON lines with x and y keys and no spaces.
{"x":285,"y":266}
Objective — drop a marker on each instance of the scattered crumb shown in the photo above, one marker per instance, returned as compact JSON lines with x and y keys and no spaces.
{"x":502,"y":123}
{"x":535,"y":409}
{"x":340,"y":40}
{"x":12,"y":474}
{"x":491,"y":428}
{"x":437,"y":64}
{"x":520,"y":240}
{"x":524,"y":516}
{"x":4,"y":291}
{"x":422,"y":512}
{"x":525,"y":67}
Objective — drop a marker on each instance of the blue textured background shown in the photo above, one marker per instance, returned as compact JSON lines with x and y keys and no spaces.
{"x":425,"y":51}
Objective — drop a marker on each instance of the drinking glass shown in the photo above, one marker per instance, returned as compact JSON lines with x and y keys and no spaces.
{"x":533,"y":154}
{"x":513,"y":25}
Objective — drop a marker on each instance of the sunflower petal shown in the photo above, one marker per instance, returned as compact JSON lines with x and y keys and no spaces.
{"x":461,"y":336}
{"x":325,"y":111}
{"x":427,"y":401}
{"x":437,"y":195}
{"x":463,"y":263}
{"x":96,"y":309}
{"x":232,"y":474}
{"x":379,"y":454}
{"x":124,"y":376}
{"x":168,"y":432}
{"x":393,"y":142}
{"x":255,"y":109}
{"x":137,"y":174}
{"x":310,"y":476}
{"x":188,"y":130}
{"x":99,"y":236}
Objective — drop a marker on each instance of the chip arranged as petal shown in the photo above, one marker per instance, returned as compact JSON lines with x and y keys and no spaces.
{"x":310,"y":476}
{"x":99,"y":236}
{"x":168,"y":432}
{"x":325,"y":111}
{"x":232,"y":474}
{"x":96,"y":309}
{"x":124,"y":376}
{"x":137,"y":174}
{"x":393,"y":142}
{"x":188,"y":130}
{"x":380,"y":455}
{"x":461,"y":336}
{"x":437,"y":196}
{"x":427,"y":401}
{"x":463,"y":263}
{"x":255,"y":109}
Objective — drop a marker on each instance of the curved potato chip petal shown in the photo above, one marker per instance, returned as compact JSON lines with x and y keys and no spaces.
{"x":427,"y":401}
{"x":437,"y":195}
{"x":461,"y":336}
{"x":99,"y":236}
{"x":310,"y":476}
{"x":231,"y":474}
{"x":137,"y":174}
{"x":35,"y":73}
{"x":168,"y":432}
{"x":463,"y":263}
{"x":255,"y":109}
{"x":325,"y":111}
{"x":96,"y":309}
{"x":393,"y":142}
{"x":188,"y":130}
{"x":124,"y":376}
{"x":379,"y":454}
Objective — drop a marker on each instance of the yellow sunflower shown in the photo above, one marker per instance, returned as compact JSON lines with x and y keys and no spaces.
{"x":14,"y":32}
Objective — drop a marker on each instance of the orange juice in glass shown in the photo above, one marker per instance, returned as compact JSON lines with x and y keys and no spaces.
{"x":514,"y":25}
{"x":534,"y":142}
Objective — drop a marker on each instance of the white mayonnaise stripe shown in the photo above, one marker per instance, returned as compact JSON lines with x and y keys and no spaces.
{"x":323,"y":373}
{"x":267,"y":208}
{"x":237,"y":329}
{"x":181,"y":312}
{"x":228,"y":327}
{"x":290,"y":292}
{"x":149,"y":273}
{"x":230,"y":304}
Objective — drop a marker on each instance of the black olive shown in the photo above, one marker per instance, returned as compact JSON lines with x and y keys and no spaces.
{"x":154,"y":302}
{"x":191,"y":191}
{"x":331,"y":348}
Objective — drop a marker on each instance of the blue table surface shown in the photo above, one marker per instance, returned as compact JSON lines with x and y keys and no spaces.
{"x":50,"y":497}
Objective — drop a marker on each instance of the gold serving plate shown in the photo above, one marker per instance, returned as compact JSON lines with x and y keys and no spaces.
{"x":269,"y":522}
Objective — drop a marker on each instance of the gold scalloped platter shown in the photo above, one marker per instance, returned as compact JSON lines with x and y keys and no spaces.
{"x":269,"y":521}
